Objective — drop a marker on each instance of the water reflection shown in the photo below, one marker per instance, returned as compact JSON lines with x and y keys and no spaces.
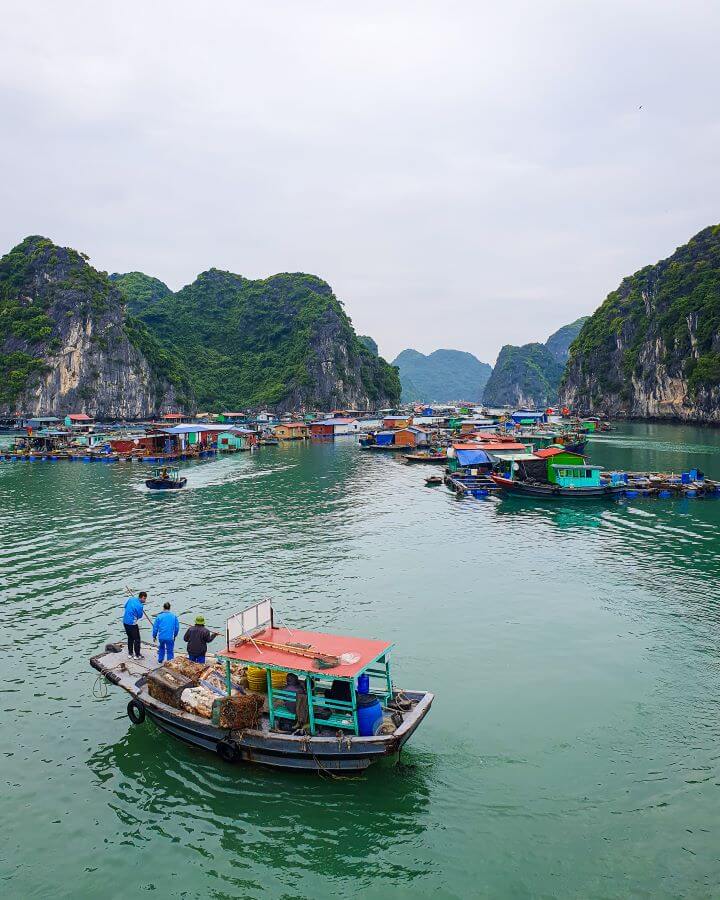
{"x":337,"y":827}
{"x":570,"y":514}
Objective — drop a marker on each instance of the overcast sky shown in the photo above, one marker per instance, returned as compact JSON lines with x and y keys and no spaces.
{"x":464,"y":175}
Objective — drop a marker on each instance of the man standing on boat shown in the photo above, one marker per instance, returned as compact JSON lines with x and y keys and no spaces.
{"x":134,"y":611}
{"x":197,"y":638}
{"x":165,"y":630}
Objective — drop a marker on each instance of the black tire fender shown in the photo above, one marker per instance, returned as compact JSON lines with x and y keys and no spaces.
{"x":136,"y":712}
{"x":228,"y":751}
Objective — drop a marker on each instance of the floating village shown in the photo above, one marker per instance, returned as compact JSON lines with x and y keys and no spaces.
{"x":535,"y":453}
{"x":296,"y":699}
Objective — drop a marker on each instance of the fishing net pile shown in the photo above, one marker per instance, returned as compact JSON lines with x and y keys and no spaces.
{"x":201,"y":689}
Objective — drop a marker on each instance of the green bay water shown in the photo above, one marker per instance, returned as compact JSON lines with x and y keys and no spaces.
{"x":573,"y":749}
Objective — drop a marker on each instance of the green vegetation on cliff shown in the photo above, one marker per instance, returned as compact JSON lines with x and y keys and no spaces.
{"x":237,"y":342}
{"x":524,"y":376}
{"x":370,"y":343}
{"x":442,"y":376}
{"x":140,"y":291}
{"x":61,"y":326}
{"x":559,"y":342}
{"x":664,"y":317}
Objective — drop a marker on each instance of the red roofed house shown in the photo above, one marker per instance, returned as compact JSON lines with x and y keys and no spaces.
{"x":334,"y":427}
{"x":291,"y":431}
{"x":79,"y":422}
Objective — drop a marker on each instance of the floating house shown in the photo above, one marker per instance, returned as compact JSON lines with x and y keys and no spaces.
{"x":38,"y":422}
{"x":392,"y":422}
{"x":334,"y":427}
{"x":529,"y":416}
{"x":235,"y":439}
{"x":79,"y":422}
{"x":291,"y":431}
{"x":411,"y":436}
{"x":232,"y":417}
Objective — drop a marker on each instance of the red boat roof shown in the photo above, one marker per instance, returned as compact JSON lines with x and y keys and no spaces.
{"x":365,"y":650}
{"x":79,"y":417}
{"x":553,"y":451}
{"x":500,"y":446}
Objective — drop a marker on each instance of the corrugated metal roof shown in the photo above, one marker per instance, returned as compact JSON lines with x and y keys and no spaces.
{"x":335,"y":422}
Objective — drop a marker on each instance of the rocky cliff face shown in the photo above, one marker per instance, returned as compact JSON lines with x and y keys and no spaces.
{"x":283,"y":342}
{"x":63,"y":341}
{"x":652,"y":350}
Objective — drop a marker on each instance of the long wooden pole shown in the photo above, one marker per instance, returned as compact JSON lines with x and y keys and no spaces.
{"x":297,"y":651}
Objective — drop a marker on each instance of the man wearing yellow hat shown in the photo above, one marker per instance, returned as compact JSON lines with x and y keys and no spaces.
{"x":197,"y":637}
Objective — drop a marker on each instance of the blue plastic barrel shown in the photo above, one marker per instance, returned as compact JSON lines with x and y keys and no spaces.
{"x":664,"y":495}
{"x":691,"y":493}
{"x":631,"y":494}
{"x":363,"y":685}
{"x":369,"y":714}
{"x":685,"y":478}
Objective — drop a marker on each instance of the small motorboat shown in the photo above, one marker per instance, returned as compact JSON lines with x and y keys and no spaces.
{"x":433,"y":458}
{"x":165,"y":478}
{"x":433,"y":480}
{"x":295,"y":699}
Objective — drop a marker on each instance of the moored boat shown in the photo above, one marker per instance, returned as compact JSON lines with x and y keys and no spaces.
{"x":435,"y":459}
{"x":557,"y":491}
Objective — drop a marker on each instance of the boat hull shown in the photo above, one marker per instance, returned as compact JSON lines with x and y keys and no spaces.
{"x":555,"y":492}
{"x":339,"y":753}
{"x":159,"y":484}
{"x":437,"y":459}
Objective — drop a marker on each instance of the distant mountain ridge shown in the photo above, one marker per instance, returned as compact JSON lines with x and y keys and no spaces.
{"x":530,"y":375}
{"x":527,"y":376}
{"x":441,"y":376}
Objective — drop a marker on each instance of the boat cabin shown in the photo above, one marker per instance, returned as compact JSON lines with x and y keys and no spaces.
{"x":166,"y":473}
{"x":344,"y":680}
{"x":574,"y":475}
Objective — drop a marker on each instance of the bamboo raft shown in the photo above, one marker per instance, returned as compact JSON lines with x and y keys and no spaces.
{"x":478,"y":486}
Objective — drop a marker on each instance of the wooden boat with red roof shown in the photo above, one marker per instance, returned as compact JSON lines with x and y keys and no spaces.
{"x":329,"y":706}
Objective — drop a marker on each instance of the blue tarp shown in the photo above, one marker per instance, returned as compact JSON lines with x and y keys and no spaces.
{"x":384,"y":438}
{"x":472,"y":458}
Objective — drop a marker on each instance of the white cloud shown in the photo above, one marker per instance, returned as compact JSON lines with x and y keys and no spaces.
{"x":464,"y":174}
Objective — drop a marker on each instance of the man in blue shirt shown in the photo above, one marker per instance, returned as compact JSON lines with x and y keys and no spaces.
{"x":134,"y":611}
{"x":165,"y":629}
